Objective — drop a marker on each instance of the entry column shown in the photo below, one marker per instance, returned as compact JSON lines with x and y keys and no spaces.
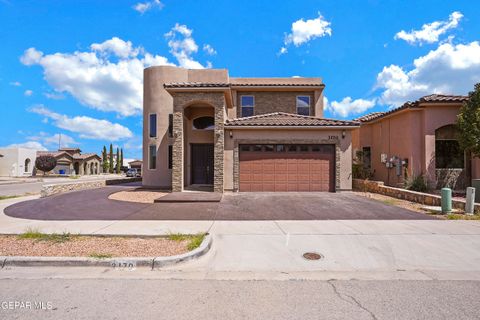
{"x":177,"y":149}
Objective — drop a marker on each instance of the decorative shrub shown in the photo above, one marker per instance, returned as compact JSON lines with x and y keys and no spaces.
{"x":45,"y":163}
{"x":416,"y":183}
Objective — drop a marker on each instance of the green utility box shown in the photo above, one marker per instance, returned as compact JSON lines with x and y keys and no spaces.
{"x":446,"y":200}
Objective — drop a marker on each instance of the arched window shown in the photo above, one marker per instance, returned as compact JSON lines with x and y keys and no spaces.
{"x":27,"y":165}
{"x":448,"y":154}
{"x":204,"y":123}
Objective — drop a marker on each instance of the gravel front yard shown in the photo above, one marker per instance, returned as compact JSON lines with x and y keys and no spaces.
{"x":98,"y":247}
{"x":140,"y":195}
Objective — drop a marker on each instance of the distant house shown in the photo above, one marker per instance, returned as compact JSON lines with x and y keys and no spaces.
{"x":418,"y":138}
{"x":136,"y":164}
{"x":72,"y":161}
{"x":17,"y":162}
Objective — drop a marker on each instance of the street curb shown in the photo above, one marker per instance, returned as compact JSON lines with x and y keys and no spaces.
{"x":156,"y":262}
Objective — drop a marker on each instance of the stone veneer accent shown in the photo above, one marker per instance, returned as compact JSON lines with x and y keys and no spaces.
{"x":56,"y":188}
{"x":236,"y":155}
{"x":182,"y":100}
{"x":403,"y":194}
{"x":275,"y":101}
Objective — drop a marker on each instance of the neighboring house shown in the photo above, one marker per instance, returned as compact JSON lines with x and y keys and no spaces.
{"x":418,"y":138}
{"x":71,"y":161}
{"x":202,"y":127}
{"x":17,"y":162}
{"x":136,"y":164}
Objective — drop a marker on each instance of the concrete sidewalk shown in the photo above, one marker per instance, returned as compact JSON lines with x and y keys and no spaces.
{"x":372,"y":249}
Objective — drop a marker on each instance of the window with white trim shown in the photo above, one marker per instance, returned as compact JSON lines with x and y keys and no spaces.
{"x":152,"y":125}
{"x":303,"y":105}
{"x":152,"y":157}
{"x":247,"y":104}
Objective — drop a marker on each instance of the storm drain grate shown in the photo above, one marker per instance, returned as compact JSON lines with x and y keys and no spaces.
{"x":312,"y":256}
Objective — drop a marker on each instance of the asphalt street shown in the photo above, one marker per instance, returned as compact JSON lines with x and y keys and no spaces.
{"x":215,"y":299}
{"x":18,"y":189}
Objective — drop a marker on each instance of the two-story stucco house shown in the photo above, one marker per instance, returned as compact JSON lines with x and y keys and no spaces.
{"x":203,"y":127}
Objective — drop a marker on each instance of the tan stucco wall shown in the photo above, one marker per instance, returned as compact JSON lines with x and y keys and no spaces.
{"x":291,"y":136}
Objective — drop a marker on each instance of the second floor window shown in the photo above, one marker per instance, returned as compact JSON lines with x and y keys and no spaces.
{"x":247,"y":105}
{"x":153,"y":125}
{"x":303,"y":105}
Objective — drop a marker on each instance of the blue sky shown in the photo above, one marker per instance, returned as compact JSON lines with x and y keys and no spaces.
{"x":74,"y":68}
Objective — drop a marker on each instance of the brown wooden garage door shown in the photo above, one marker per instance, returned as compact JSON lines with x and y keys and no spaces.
{"x":287,"y":167}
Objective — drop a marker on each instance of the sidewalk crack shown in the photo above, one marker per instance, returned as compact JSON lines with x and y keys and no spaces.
{"x":352,"y":300}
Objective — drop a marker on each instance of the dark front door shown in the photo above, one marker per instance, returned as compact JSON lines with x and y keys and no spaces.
{"x":202,"y":163}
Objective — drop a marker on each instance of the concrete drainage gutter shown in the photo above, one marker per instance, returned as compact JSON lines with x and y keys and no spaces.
{"x":120,"y":262}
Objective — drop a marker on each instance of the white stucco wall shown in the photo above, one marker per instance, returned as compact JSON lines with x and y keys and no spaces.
{"x":12,"y":164}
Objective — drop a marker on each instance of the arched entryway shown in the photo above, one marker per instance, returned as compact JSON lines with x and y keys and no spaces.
{"x":199,"y":126}
{"x":76,"y":168}
{"x":27,"y":165}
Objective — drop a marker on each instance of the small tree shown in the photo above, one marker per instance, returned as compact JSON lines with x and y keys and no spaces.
{"x":110,"y":162}
{"x":105,"y":160}
{"x":468,"y":123}
{"x":121,"y":158}
{"x":45,"y":163}
{"x":117,"y":167}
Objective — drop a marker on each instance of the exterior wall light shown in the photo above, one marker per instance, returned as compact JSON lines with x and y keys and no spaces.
{"x":344,"y":133}
{"x":231,"y":134}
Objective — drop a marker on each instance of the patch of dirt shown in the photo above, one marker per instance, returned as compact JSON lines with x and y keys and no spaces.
{"x":413,"y":206}
{"x":138,"y":195}
{"x":89,"y":246}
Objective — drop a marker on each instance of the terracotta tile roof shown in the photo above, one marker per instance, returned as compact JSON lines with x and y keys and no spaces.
{"x":78,"y":156}
{"x":228,"y":85}
{"x":369,"y":116}
{"x":442,"y":98}
{"x":283,"y":119}
{"x":433,"y":98}
{"x":196,"y":85}
{"x":52,"y":153}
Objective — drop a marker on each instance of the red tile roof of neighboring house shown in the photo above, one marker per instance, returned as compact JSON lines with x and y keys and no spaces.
{"x":84,"y":156}
{"x":433,"y":98}
{"x":283,"y":119}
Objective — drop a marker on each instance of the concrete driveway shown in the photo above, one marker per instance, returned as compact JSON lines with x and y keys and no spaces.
{"x":95,"y":205}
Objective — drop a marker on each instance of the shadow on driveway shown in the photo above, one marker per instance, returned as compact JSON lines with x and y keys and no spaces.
{"x":95,"y":205}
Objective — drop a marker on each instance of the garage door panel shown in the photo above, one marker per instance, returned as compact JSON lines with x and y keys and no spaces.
{"x":287,"y":171}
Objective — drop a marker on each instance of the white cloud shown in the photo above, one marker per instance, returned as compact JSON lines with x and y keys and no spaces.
{"x":118,"y":47}
{"x":53,"y":140}
{"x":430,"y":32}
{"x":449,"y":69}
{"x":54,"y":96}
{"x":347,"y":106}
{"x":28,"y":93}
{"x":86,"y":127}
{"x":15,"y":84}
{"x":183,"y":46}
{"x":143,"y":7}
{"x":95,"y":78}
{"x":305,"y":30}
{"x":28,"y":145}
{"x":209,"y":49}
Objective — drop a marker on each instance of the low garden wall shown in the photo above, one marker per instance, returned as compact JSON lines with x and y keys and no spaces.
{"x":56,"y":188}
{"x":403,"y":194}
